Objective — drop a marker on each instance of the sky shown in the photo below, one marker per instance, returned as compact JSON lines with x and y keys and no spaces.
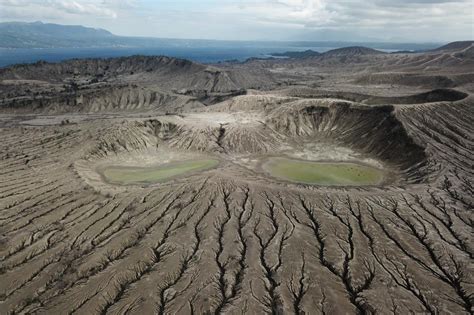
{"x":313,"y":20}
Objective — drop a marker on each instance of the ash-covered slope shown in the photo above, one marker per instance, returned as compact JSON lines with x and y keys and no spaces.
{"x":162,"y":71}
{"x":448,"y":67}
{"x":123,"y":98}
{"x":138,"y":82}
{"x":108,"y":68}
{"x":42,"y":86}
{"x":459,"y":45}
{"x":452,"y":54}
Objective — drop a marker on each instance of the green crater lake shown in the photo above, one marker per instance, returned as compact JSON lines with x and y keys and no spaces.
{"x":147,"y":175}
{"x":323,"y":173}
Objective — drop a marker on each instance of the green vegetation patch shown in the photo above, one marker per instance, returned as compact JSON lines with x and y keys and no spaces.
{"x":323,"y":173}
{"x":147,"y":175}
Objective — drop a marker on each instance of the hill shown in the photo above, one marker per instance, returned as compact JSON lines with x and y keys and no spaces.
{"x":459,"y":45}
{"x":352,"y":51}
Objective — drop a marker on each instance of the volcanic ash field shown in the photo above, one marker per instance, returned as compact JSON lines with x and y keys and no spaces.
{"x":335,"y":184}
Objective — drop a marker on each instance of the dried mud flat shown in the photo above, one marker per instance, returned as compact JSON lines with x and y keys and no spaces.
{"x":232,"y":239}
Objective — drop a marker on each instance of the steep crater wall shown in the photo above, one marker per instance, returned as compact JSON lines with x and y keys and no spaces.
{"x":373,"y":130}
{"x":436,"y":95}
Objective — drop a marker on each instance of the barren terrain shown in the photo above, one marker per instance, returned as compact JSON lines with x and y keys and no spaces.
{"x":232,"y":238}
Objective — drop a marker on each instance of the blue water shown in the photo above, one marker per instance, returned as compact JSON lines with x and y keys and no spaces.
{"x":199,"y":54}
{"x":208,"y":53}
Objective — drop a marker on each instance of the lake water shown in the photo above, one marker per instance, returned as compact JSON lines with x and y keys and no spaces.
{"x":323,"y":173}
{"x":148,"y":175}
{"x":212,"y":52}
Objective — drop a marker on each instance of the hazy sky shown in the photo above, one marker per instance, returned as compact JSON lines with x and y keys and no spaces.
{"x":383,"y":20}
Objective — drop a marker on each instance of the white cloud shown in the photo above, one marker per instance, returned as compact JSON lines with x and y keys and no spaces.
{"x":38,"y":8}
{"x":337,"y":13}
{"x":410,"y":20}
{"x":75,"y":7}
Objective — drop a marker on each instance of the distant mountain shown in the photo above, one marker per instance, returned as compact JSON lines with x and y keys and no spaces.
{"x":48,"y":35}
{"x":460,"y":45}
{"x":297,"y":54}
{"x":45,"y":35}
{"x":352,"y":51}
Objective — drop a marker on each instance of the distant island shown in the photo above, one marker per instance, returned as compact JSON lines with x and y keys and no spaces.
{"x":344,"y":51}
{"x":297,"y":54}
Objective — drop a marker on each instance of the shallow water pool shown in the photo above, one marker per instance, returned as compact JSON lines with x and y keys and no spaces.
{"x":147,"y":175}
{"x":323,"y":173}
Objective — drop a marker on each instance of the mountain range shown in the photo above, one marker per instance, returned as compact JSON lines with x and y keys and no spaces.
{"x":43,"y":35}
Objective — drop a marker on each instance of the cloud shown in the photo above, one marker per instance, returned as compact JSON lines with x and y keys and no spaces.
{"x":38,"y":8}
{"x":383,"y":19}
{"x":75,"y":7}
{"x":410,"y":20}
{"x":343,"y":13}
{"x":13,"y":3}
